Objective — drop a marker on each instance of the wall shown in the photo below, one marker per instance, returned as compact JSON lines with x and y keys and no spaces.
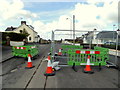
{"x":23,"y":26}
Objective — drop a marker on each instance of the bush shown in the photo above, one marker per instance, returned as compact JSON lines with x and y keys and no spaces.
{"x":13,"y":36}
{"x":111,"y":46}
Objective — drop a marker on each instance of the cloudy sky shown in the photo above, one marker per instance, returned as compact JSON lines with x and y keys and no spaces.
{"x":49,"y":15}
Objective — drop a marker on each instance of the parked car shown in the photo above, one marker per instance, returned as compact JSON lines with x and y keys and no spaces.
{"x":110,"y":43}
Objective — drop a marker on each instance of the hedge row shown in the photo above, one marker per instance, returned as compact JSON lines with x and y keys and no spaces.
{"x":102,"y":45}
{"x":13,"y":36}
{"x":111,"y":46}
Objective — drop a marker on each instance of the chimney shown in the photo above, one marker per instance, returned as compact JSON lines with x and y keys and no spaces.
{"x":23,"y":22}
{"x":11,"y":27}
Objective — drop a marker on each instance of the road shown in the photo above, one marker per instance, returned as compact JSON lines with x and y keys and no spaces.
{"x":14,"y":73}
{"x":16,"y":76}
{"x":6,"y":53}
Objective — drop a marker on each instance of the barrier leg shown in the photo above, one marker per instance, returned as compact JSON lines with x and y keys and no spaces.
{"x":73,"y":67}
{"x":100,"y":67}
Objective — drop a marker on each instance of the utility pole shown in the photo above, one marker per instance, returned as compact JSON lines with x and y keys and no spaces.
{"x":113,"y":32}
{"x":117,"y":38}
{"x":73,"y":29}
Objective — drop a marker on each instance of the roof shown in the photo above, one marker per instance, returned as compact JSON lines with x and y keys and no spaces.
{"x":107,"y":34}
{"x":23,"y":22}
{"x":68,"y":39}
{"x":10,"y":28}
{"x":31,"y":27}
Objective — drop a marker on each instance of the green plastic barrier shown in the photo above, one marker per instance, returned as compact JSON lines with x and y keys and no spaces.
{"x":104,"y":51}
{"x":23,"y":51}
{"x":81,"y":59}
{"x":65,"y":48}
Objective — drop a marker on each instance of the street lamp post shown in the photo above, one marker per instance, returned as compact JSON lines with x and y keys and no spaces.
{"x":118,"y":33}
{"x":8,"y":40}
{"x":73,"y":21}
{"x":70,"y":25}
{"x":73,"y":29}
{"x":113,"y":32}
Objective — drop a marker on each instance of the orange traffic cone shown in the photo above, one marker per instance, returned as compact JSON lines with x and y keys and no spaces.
{"x":87,"y":68}
{"x":29,"y":63}
{"x":49,"y":70}
{"x":60,"y":52}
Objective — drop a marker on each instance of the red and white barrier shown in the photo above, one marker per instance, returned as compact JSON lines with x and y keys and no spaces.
{"x":87,"y":52}
{"x":20,"y":47}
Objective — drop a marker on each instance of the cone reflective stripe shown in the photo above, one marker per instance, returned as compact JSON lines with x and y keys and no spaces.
{"x":60,"y":51}
{"x":49,"y":70}
{"x":29,"y":63}
{"x":48,"y":57}
{"x":88,"y":68}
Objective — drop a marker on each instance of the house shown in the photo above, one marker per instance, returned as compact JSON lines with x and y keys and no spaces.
{"x":89,"y":37}
{"x":43,"y":41}
{"x":24,"y":28}
{"x":107,"y":36}
{"x":100,"y":37}
{"x":10,"y":28}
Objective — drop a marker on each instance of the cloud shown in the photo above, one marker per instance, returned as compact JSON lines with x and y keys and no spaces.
{"x":15,"y":8}
{"x":85,"y":15}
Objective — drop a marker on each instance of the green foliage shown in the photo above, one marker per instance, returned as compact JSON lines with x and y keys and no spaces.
{"x":111,"y":46}
{"x":13,"y":36}
{"x":25,"y":32}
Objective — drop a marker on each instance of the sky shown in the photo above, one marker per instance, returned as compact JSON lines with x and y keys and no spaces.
{"x":49,"y":15}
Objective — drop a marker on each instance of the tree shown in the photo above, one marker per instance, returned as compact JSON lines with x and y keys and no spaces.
{"x":13,"y":36}
{"x":25,"y":32}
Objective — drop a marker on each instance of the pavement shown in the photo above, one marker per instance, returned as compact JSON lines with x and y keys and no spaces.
{"x":114,"y":52}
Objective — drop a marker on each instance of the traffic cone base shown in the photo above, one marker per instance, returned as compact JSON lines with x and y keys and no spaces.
{"x":29,"y":67}
{"x":50,"y":74}
{"x":90,"y":72}
{"x":87,"y":68}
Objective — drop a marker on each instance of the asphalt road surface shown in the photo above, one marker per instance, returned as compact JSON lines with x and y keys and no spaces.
{"x":16,"y":76}
{"x":14,"y":73}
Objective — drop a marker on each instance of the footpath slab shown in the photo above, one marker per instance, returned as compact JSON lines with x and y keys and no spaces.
{"x":19,"y":77}
{"x":113,"y":52}
{"x":39,"y":79}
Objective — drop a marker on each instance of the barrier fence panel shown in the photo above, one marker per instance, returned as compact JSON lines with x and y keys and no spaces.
{"x":79,"y":57}
{"x":94,"y":40}
{"x":65,"y":48}
{"x":23,"y":51}
{"x":104,"y":52}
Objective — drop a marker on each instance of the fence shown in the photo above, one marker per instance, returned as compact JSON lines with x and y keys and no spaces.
{"x":92,"y":38}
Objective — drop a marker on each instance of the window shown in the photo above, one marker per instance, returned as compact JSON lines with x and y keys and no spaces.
{"x":20,"y":31}
{"x":30,"y":38}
